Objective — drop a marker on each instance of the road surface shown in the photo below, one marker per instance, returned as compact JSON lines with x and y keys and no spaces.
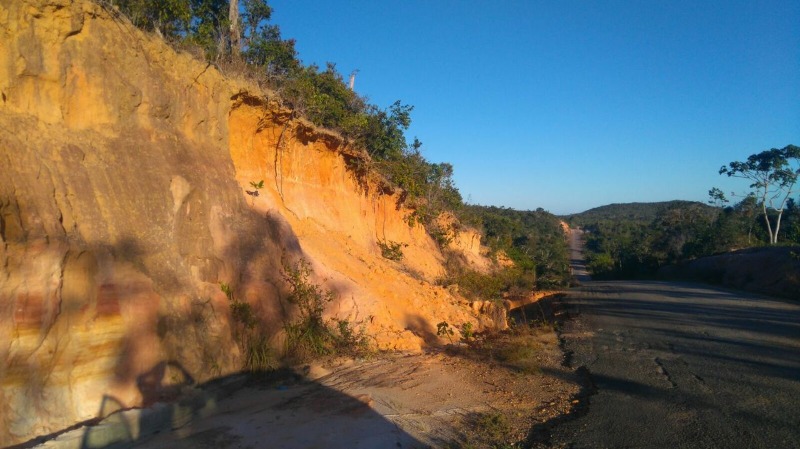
{"x":682,"y":366}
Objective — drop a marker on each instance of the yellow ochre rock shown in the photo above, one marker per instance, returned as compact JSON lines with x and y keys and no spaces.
{"x":123,"y":205}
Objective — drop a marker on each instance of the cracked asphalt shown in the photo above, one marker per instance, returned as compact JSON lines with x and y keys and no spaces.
{"x":677,"y":365}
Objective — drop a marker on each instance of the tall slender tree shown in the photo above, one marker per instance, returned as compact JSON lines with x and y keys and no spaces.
{"x":774,"y":174}
{"x":235,"y":27}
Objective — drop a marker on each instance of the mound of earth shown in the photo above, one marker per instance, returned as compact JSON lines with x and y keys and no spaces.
{"x":770,"y":270}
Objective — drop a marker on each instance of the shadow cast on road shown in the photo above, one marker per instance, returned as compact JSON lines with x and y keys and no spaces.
{"x":275,"y":409}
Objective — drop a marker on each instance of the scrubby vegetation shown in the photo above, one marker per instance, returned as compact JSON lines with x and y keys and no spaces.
{"x":635,"y":240}
{"x":253,"y":342}
{"x":529,"y":246}
{"x":391,"y":250}
{"x":310,"y":335}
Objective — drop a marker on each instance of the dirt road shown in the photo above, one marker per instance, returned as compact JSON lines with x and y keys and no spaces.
{"x":683,"y":366}
{"x":423,"y":400}
{"x":576,"y":261}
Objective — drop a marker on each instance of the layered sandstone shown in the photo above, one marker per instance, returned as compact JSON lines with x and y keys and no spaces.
{"x":123,"y":205}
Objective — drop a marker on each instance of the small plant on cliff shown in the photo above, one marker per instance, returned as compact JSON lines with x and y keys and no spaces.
{"x":256,"y":187}
{"x":308,"y":335}
{"x":467,"y":331}
{"x":444,"y":329}
{"x":392,"y":250}
{"x":253,"y":344}
{"x":348,"y":339}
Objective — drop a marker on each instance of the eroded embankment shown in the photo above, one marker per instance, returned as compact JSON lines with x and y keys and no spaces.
{"x":123,"y":205}
{"x":769,"y":270}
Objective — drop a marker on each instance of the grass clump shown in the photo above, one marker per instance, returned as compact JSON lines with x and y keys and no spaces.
{"x":489,"y":430}
{"x":519,"y":349}
{"x":309,"y":335}
{"x":253,"y":343}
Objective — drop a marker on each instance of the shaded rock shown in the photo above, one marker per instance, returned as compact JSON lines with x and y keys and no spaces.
{"x":123,"y":206}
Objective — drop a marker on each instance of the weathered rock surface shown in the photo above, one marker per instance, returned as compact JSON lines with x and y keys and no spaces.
{"x":123,"y":206}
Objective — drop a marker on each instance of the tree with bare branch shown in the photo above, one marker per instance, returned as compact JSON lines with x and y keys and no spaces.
{"x":774,"y":174}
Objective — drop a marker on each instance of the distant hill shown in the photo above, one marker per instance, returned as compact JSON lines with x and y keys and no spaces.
{"x":631,"y":212}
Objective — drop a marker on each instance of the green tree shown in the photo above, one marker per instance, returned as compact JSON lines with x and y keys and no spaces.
{"x":716,"y":197}
{"x":792,"y":221}
{"x":383,"y":133}
{"x":773,"y":174}
{"x":168,"y":18}
{"x":262,"y":43}
{"x":209,"y":27}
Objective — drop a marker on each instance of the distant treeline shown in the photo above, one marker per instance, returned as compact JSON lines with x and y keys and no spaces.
{"x":635,"y":240}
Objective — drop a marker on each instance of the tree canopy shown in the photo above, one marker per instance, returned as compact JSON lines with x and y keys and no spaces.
{"x":773,"y":175}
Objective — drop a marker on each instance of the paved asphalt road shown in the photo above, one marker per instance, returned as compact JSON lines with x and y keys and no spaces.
{"x":683,"y":366}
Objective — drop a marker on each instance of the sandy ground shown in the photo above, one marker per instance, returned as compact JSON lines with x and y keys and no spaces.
{"x":434,"y":399}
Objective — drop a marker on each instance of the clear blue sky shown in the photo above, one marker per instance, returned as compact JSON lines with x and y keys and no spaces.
{"x":569,"y":105}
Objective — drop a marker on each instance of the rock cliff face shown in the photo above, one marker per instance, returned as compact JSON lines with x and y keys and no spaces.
{"x":123,"y":206}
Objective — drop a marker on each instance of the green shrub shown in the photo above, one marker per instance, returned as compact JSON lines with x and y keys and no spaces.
{"x":310,"y":335}
{"x":391,"y":250}
{"x":443,"y":329}
{"x":253,"y":343}
{"x":466,"y":331}
{"x":349,"y":339}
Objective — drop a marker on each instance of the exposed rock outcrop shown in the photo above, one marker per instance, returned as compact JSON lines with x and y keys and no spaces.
{"x":123,"y":206}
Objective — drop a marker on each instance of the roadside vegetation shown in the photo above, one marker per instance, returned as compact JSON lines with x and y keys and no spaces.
{"x":308,"y":334}
{"x":525,"y":349}
{"x":635,"y":240}
{"x":530,"y":248}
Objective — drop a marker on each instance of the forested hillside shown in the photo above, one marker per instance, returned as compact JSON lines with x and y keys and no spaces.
{"x":533,"y":240}
{"x":628,"y":212}
{"x":635,"y":240}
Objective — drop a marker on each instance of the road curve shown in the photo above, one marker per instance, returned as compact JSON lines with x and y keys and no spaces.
{"x":678,"y":365}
